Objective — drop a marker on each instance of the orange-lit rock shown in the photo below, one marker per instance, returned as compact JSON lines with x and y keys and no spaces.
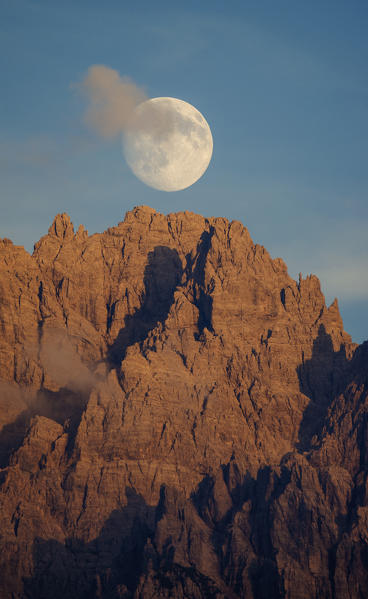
{"x":180,"y":418}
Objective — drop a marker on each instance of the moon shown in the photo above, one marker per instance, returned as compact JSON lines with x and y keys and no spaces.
{"x":169,"y":144}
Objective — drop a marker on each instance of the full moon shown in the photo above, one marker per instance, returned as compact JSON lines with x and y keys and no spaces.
{"x":169,"y":144}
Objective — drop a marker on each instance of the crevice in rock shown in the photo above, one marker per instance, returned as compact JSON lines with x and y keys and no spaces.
{"x":203,"y":299}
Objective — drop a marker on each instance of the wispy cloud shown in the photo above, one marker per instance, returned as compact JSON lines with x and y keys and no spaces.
{"x":33,"y":151}
{"x":61,"y":363}
{"x":111,"y":100}
{"x":42,"y":150}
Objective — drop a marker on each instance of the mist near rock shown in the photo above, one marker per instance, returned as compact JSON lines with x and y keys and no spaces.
{"x":13,"y":400}
{"x":67,"y":383}
{"x":62,"y":363}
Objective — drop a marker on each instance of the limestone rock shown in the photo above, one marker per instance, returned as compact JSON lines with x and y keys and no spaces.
{"x":179,"y":418}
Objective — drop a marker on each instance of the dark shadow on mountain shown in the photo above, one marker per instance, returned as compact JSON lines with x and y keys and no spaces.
{"x":12,"y":435}
{"x":320,"y":379}
{"x":109,"y":566}
{"x":359,"y":376}
{"x":259,"y":493}
{"x":113,"y":565}
{"x":162,"y":274}
{"x":327,"y":378}
{"x":358,"y":365}
{"x":203,"y":300}
{"x":266,"y":580}
{"x":135,"y":554}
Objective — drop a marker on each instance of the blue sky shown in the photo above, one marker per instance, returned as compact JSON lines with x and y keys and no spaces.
{"x":283,"y":85}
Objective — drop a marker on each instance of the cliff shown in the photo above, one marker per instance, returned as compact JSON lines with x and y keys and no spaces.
{"x":179,"y":418}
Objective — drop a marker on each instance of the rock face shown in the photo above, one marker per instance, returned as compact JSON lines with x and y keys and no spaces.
{"x":179,"y":418}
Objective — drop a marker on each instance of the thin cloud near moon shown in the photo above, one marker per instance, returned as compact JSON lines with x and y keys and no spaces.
{"x":167,"y":142}
{"x":111,"y":100}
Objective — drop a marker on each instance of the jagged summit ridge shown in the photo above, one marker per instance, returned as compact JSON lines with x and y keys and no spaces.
{"x":175,"y":412}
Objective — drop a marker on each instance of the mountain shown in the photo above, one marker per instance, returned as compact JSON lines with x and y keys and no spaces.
{"x":179,"y":418}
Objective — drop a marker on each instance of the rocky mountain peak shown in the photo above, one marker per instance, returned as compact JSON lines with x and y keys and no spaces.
{"x":179,"y":418}
{"x":62,"y":227}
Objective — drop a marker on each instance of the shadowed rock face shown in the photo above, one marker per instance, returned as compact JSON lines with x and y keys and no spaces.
{"x":179,"y":418}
